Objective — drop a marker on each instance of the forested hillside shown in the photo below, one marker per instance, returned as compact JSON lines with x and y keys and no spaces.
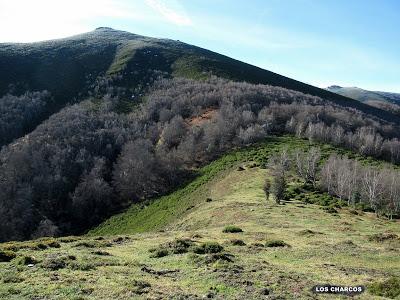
{"x":96,"y":122}
{"x":224,"y":236}
{"x":123,"y":65}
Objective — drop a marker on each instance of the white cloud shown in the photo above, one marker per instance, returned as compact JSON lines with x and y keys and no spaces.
{"x":27,"y":21}
{"x":173,"y":12}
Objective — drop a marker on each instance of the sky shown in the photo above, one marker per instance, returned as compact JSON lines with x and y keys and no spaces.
{"x":320,"y":42}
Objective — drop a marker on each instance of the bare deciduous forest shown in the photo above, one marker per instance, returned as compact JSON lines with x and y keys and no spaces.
{"x":89,"y":161}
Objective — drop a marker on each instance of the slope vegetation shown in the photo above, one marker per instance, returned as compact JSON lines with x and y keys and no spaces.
{"x":217,"y":237}
{"x":73,"y":68}
{"x":134,"y":132}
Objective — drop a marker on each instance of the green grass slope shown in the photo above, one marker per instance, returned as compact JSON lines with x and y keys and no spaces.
{"x":179,"y":248}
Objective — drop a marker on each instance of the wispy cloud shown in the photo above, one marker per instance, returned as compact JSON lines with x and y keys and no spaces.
{"x":172,"y":12}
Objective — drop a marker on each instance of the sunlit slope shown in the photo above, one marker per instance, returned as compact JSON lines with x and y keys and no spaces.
{"x":167,"y":259}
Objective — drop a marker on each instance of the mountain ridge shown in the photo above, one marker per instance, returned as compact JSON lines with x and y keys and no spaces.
{"x":365,"y":95}
{"x":57,"y":66}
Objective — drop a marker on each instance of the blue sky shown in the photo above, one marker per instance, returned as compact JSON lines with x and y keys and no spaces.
{"x":321,"y":42}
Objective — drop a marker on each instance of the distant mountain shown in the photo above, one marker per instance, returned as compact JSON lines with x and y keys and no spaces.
{"x":382,"y":100}
{"x":365,"y":95}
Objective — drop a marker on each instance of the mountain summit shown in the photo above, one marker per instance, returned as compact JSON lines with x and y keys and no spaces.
{"x":69,"y":67}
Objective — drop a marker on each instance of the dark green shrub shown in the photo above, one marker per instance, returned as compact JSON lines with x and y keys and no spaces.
{"x":68,"y":239}
{"x":208,"y":247}
{"x":276,"y":243}
{"x":238,"y":243}
{"x":215,"y":257}
{"x":292,"y":192}
{"x":339,"y":204}
{"x":100,"y":252}
{"x":179,"y":246}
{"x":389,"y":288}
{"x":354,"y":212}
{"x":232,"y":229}
{"x":39,"y":246}
{"x":55,"y":263}
{"x":278,"y":187}
{"x":6,"y":256}
{"x":157,"y":253}
{"x":53,"y":244}
{"x":308,"y":187}
{"x":120,"y":239}
{"x":330,"y":210}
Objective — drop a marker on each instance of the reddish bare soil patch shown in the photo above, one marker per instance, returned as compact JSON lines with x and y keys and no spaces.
{"x":207,"y":115}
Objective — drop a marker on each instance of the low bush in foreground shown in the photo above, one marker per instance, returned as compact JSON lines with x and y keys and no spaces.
{"x":236,"y":242}
{"x":157,"y":253}
{"x":208,"y":247}
{"x":177,"y":246}
{"x":6,"y":256}
{"x":232,"y":229}
{"x":276,"y":243}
